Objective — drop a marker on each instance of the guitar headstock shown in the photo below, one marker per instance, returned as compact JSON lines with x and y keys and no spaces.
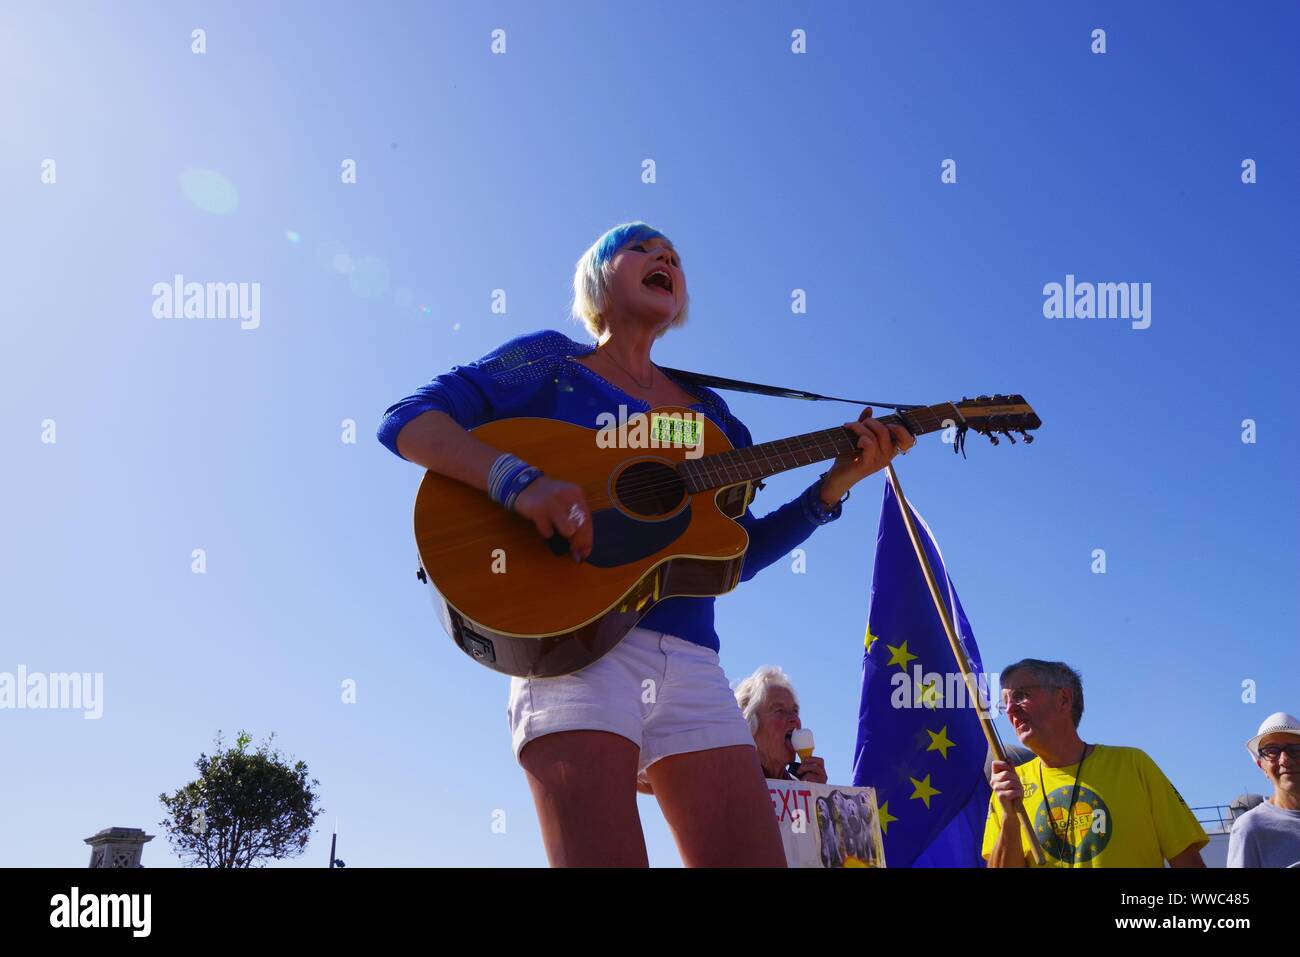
{"x":990,"y":414}
{"x":986,"y":414}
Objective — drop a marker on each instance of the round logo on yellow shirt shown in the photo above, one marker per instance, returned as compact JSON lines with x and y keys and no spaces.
{"x":1085,"y":829}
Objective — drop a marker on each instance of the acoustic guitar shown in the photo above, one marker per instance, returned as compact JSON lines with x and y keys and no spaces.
{"x":664,"y":489}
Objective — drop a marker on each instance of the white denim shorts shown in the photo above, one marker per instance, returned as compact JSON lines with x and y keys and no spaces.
{"x":665,"y":694}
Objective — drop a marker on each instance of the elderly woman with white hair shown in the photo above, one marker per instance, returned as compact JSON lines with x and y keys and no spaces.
{"x":583,"y":738}
{"x":770,"y":706}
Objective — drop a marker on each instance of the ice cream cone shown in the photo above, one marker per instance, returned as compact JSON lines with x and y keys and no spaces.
{"x":801,"y":739}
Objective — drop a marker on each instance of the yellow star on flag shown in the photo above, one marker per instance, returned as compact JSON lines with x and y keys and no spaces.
{"x":939,"y":742}
{"x":899,"y":656}
{"x":870,"y":638}
{"x":885,"y":818}
{"x":923,"y":790}
{"x":930,"y":694}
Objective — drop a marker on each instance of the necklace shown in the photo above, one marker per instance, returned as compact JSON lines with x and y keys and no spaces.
{"x":630,"y":375}
{"x":1059,"y":844}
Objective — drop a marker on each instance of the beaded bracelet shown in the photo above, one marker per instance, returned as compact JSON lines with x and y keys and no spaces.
{"x":508,"y":477}
{"x":525,"y":479}
{"x":502,"y":471}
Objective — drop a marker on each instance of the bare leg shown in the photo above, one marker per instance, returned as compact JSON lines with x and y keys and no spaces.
{"x":717,"y":804}
{"x":584,"y":786}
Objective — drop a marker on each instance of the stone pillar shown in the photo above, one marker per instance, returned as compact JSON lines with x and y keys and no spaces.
{"x":118,"y":847}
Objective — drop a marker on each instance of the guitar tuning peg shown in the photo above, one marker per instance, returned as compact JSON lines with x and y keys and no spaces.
{"x":1029,"y":439}
{"x":993,"y":438}
{"x":1010,"y":438}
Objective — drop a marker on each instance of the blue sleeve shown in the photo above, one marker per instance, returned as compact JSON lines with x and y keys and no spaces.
{"x":778,"y":533}
{"x":470,"y":394}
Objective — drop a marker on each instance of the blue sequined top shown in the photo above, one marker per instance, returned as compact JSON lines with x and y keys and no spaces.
{"x":535,"y":375}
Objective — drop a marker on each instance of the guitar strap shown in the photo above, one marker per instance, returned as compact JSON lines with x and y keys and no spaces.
{"x":739,"y":385}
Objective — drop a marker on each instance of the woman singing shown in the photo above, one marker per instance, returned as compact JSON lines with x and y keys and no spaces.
{"x":583,"y":738}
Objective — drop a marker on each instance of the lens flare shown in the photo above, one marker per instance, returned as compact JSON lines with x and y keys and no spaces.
{"x":209,"y":191}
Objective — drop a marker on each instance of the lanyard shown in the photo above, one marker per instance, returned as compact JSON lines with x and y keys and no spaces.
{"x":1069,"y":811}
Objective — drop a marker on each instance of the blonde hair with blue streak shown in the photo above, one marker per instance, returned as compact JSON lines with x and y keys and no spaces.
{"x":591,"y":277}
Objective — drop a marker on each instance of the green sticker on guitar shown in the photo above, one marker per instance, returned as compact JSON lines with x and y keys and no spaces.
{"x":675,"y":430}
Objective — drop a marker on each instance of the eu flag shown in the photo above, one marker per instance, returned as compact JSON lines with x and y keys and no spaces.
{"x":919,"y":740}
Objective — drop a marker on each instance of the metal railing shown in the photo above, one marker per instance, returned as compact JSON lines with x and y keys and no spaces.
{"x":1215,"y":818}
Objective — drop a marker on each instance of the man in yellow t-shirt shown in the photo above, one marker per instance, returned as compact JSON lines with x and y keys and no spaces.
{"x":1092,"y":805}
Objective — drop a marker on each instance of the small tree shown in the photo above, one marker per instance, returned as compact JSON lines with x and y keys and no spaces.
{"x":244,"y":809}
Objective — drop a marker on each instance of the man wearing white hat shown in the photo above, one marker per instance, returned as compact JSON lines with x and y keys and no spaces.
{"x":1268,"y":835}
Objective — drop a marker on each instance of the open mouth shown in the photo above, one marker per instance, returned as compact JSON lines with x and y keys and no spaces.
{"x":659,"y":279}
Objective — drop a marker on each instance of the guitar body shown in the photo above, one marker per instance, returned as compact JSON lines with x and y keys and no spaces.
{"x":664,"y":488}
{"x":514,"y":605}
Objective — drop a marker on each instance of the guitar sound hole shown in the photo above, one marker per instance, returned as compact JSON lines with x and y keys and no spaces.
{"x":649,"y":488}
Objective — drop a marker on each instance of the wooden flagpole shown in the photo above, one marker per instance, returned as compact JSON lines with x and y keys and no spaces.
{"x":972,"y":686}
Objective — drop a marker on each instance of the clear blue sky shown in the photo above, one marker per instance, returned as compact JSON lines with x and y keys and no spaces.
{"x":477,"y":172}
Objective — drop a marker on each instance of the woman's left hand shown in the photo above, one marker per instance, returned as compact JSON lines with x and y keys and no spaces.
{"x":877,"y":446}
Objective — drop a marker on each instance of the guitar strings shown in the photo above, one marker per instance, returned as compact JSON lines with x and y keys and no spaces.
{"x":925,"y":419}
{"x":649,"y":486}
{"x":644,"y":487}
{"x":770,"y":455}
{"x":597,"y":499}
{"x":761,"y":459}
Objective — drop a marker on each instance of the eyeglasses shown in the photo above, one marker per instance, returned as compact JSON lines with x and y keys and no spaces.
{"x":1018,"y":695}
{"x":1273,"y":752}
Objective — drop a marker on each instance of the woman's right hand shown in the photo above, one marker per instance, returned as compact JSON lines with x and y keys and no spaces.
{"x":547,"y":504}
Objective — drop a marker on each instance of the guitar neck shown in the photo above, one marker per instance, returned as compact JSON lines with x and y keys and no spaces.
{"x":769,"y":458}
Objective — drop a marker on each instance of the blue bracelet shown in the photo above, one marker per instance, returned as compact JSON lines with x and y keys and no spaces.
{"x":508,"y":477}
{"x":521,"y":482}
{"x":502,"y":471}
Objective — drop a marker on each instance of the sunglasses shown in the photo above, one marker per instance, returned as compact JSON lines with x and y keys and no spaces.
{"x":1274,"y":752}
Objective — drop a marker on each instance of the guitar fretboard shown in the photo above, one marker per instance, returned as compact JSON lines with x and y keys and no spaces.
{"x":769,"y":458}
